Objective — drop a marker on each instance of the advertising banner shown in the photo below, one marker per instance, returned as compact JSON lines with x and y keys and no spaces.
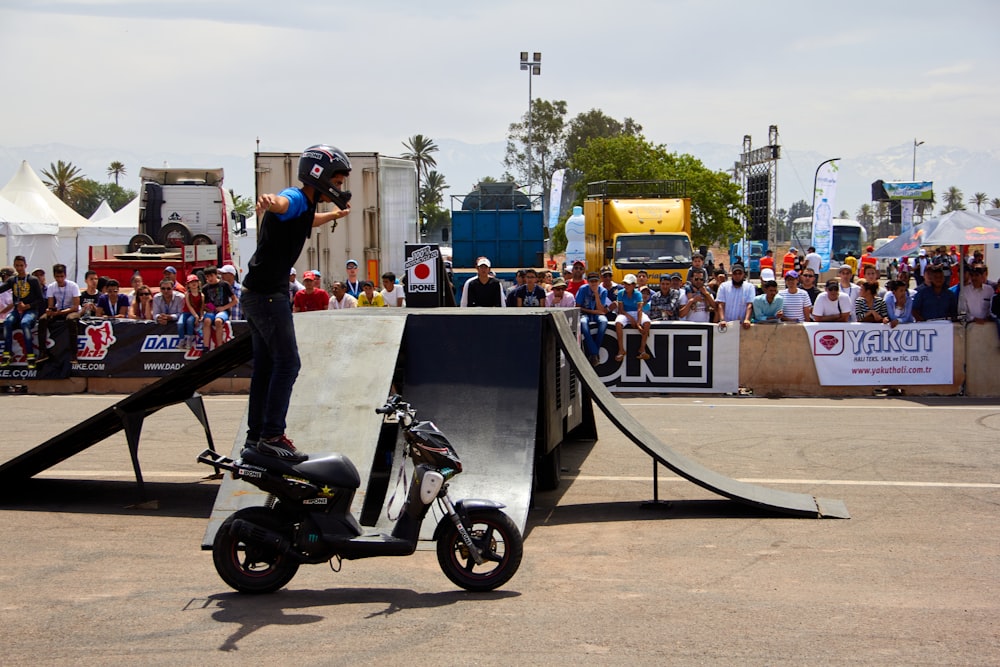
{"x":555,"y":197}
{"x":424,"y":283}
{"x":826,"y":191}
{"x":686,"y":357}
{"x":923,"y":190}
{"x":877,"y":355}
{"x":906,"y":217}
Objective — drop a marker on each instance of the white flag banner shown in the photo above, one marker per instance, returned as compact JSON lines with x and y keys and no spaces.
{"x":826,"y":191}
{"x":876,"y":354}
{"x":906,"y":217}
{"x":555,"y":197}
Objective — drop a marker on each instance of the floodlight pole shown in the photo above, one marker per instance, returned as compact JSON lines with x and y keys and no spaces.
{"x":534,"y":68}
{"x":915,"y":144}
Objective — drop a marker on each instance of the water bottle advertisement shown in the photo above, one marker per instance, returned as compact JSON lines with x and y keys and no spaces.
{"x":826,"y":189}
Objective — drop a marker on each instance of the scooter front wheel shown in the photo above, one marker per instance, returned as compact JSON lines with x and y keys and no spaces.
{"x":249,"y":567}
{"x":498,"y":540}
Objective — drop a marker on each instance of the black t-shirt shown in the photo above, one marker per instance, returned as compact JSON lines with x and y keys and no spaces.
{"x":533,"y":298}
{"x":279,"y":243}
{"x":85,"y":298}
{"x":488,"y":295}
{"x":26,"y":290}
{"x":218,"y":294}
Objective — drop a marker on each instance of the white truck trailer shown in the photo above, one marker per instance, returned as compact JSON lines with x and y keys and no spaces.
{"x":384,"y":215}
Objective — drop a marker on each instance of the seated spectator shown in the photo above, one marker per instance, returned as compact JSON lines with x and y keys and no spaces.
{"x":974,"y":299}
{"x":294,"y":286}
{"x":664,"y":304}
{"x":645,"y":293}
{"x":392,"y":293}
{"x":577,"y":279}
{"x":352,"y":283}
{"x":847,"y":287}
{"x":767,"y":306}
{"x":168,"y":304}
{"x":559,"y":297}
{"x":90,"y":294}
{"x":310,"y":297}
{"x":807,"y":283}
{"x":63,"y":304}
{"x":934,"y":301}
{"x":340,"y":299}
{"x":797,"y":306}
{"x":6,"y":298}
{"x":898,"y":303}
{"x":530,"y":294}
{"x":545,"y":280}
{"x":630,"y":314}
{"x":832,"y":306}
{"x":194,"y":311}
{"x":28,"y":304}
{"x":136,"y":282}
{"x":113,"y":304}
{"x":509,"y":294}
{"x":482,"y":290}
{"x":142,"y":304}
{"x":369,"y":298}
{"x":228,"y":274}
{"x":870,"y":274}
{"x":169,"y":273}
{"x":608,"y":283}
{"x":219,"y":300}
{"x":594,"y":303}
{"x":869,"y":307}
{"x":697,"y":304}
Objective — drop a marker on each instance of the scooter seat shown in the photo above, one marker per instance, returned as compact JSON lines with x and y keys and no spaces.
{"x":334,"y":469}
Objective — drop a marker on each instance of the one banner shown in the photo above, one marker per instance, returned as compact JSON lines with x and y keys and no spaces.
{"x":906,"y":217}
{"x":555,"y":197}
{"x":919,"y":190}
{"x":875,"y":354}
{"x":686,"y":357}
{"x":826,"y":191}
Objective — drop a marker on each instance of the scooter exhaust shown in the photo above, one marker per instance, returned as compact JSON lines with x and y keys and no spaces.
{"x":246,"y":531}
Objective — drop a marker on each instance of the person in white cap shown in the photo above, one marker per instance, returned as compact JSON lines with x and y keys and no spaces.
{"x":228,"y":275}
{"x":294,"y":286}
{"x":483,"y":290}
{"x":352,"y":283}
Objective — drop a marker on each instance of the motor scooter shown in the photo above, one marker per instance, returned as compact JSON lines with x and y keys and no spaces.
{"x":307,"y":517}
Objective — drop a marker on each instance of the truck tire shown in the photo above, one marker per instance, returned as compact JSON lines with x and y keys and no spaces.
{"x":201,"y":239}
{"x":138,"y":241}
{"x":175,"y":235}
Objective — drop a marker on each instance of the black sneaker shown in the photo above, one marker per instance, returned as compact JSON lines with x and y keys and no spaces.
{"x":282,"y":448}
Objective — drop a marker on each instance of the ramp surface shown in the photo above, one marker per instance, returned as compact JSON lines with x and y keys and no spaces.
{"x":127,"y":413}
{"x":797,"y":504}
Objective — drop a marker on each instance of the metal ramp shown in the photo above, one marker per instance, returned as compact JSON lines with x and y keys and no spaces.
{"x":786,"y":502}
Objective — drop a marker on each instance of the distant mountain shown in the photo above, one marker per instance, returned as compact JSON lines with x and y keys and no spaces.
{"x":463,"y":164}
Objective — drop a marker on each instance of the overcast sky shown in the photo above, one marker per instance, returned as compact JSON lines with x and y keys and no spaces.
{"x":213,"y":76}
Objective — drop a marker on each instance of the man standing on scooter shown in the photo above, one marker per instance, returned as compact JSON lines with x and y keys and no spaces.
{"x":286,"y":221}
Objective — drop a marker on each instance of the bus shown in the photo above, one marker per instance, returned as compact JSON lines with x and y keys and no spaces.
{"x":848,"y":235}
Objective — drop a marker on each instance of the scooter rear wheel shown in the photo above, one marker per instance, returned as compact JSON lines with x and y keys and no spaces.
{"x":499,"y":541}
{"x":252,"y":568}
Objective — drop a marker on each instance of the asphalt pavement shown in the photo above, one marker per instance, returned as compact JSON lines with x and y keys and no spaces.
{"x":91,"y":578}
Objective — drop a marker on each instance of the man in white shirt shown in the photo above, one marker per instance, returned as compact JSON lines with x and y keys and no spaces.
{"x":392,"y":293}
{"x":974,"y":299}
{"x":814,"y":261}
{"x":848,"y":288}
{"x":63,"y":304}
{"x":339,"y":298}
{"x":735,"y":298}
{"x":832,"y":306}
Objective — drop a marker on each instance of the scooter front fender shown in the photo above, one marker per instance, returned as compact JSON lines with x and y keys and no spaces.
{"x":461,"y":508}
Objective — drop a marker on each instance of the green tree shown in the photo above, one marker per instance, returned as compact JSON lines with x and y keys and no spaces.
{"x":979,"y":200}
{"x":547,"y":152}
{"x":432,"y":191}
{"x":865,"y":215}
{"x":90,"y":194}
{"x":995,"y":202}
{"x":800,"y":209}
{"x":116,"y":169}
{"x":953,"y":200}
{"x":421,"y":150}
{"x":715,"y":199}
{"x":243,"y":205}
{"x":593,"y":124}
{"x":64,"y":179}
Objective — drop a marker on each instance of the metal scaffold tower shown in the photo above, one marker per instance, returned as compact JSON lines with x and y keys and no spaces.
{"x":757,"y":172}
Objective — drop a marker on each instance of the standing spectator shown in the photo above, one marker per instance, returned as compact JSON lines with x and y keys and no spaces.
{"x":39,"y":274}
{"x":228,"y":274}
{"x":734,"y":298}
{"x":90,"y":295}
{"x":956,"y":262}
{"x":767,"y":306}
{"x":903,"y":271}
{"x":867,"y":260}
{"x":194,"y":311}
{"x":813,"y":261}
{"x":169,"y":273}
{"x":974,"y":298}
{"x":767,"y":261}
{"x":63,"y":304}
{"x":593,"y":302}
{"x":870,"y":274}
{"x":642,"y":279}
{"x":796,"y":304}
{"x":294,"y":286}
{"x":698,"y":266}
{"x":718,"y":278}
{"x":529,"y":294}
{"x":113,"y":304}
{"x":664,"y":304}
{"x":577,"y":279}
{"x":483,"y":290}
{"x":869,"y":307}
{"x":898,"y":303}
{"x":934,"y":301}
{"x":142,"y":304}
{"x":788,"y":261}
{"x":847,"y":287}
{"x":698,"y":305}
{"x":168,"y":305}
{"x":920,"y":266}
{"x":28,"y":303}
{"x":832,"y":306}
{"x":369,"y":297}
{"x":340,"y":299}
{"x":851,"y":261}
{"x":392,"y":293}
{"x":807,"y":280}
{"x":559,"y":297}
{"x":352,"y":282}
{"x":630,"y":314}
{"x":311,"y":296}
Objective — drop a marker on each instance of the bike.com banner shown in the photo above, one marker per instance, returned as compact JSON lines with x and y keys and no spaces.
{"x":685,"y":357}
{"x":875,"y":354}
{"x":112,"y":348}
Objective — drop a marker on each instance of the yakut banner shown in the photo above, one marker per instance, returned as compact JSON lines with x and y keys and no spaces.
{"x":875,"y":354}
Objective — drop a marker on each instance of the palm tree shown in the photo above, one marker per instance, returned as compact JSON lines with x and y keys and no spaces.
{"x":953,"y":200}
{"x":433,"y":190}
{"x":979,"y":199}
{"x":116,"y":169}
{"x":925,"y":206}
{"x":420,"y":149}
{"x":865,"y":215}
{"x":995,"y":202}
{"x":64,"y":179}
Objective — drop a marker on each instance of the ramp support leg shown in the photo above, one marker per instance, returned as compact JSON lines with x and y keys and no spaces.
{"x":197,"y":405}
{"x":656,"y":502}
{"x":132,"y":425}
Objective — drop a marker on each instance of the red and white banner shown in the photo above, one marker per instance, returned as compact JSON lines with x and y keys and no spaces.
{"x":876,"y":354}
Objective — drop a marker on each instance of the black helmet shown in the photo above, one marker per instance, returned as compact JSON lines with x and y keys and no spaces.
{"x":318,"y":164}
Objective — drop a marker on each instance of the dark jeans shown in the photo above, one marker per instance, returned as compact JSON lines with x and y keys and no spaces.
{"x":591,"y":342}
{"x":275,"y":362}
{"x":23,"y":321}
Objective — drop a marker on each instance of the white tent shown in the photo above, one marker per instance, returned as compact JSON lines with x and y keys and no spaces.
{"x":27,"y":234}
{"x":26,"y":190}
{"x":103,"y":211}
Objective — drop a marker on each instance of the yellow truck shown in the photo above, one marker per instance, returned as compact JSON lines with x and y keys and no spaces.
{"x":633,"y":225}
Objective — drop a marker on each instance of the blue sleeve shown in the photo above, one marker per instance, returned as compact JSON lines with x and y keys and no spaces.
{"x":297,"y":203}
{"x":580,"y":300}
